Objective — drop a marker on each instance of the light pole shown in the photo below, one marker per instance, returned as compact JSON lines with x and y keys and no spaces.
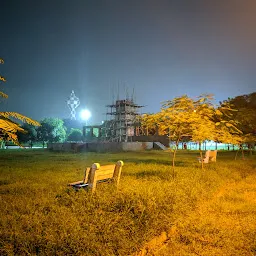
{"x":85,"y":115}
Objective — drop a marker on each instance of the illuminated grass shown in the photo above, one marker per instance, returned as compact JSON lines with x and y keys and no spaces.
{"x":40,"y":215}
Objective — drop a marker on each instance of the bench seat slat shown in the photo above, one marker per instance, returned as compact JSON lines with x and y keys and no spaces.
{"x":76,"y":183}
{"x":104,"y":176}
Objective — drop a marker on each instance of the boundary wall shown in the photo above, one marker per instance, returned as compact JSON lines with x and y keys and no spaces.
{"x":100,"y":146}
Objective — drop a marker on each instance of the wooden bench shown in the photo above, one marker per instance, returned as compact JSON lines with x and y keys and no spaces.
{"x":97,"y":174}
{"x":210,"y":156}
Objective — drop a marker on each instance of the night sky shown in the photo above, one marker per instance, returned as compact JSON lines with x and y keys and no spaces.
{"x":161,"y":49}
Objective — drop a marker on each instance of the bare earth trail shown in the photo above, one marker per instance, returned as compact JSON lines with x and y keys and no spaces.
{"x":225,"y":225}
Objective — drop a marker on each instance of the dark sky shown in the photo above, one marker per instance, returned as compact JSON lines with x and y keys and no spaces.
{"x":161,"y":49}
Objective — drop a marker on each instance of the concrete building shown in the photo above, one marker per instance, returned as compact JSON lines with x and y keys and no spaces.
{"x":121,"y":126}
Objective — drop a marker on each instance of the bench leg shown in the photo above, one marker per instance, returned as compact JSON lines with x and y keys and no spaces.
{"x":117,"y":172}
{"x":93,"y":179}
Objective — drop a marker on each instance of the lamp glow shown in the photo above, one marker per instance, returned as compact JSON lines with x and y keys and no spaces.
{"x":85,"y":114}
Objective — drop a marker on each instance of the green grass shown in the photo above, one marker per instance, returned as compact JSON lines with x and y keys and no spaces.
{"x":213,"y":210}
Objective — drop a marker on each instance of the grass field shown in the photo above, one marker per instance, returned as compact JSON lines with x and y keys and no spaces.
{"x":204,"y":212}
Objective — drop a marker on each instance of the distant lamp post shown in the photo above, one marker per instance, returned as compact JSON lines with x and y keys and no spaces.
{"x":85,"y":115}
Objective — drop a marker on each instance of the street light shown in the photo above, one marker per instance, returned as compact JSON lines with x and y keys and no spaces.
{"x":85,"y":114}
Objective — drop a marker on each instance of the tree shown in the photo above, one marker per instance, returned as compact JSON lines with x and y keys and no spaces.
{"x":30,"y":134}
{"x":245,"y":116}
{"x":213,"y":123}
{"x":196,"y":119}
{"x":9,"y":127}
{"x":51,"y":130}
{"x":68,"y":123}
{"x":75,"y":135}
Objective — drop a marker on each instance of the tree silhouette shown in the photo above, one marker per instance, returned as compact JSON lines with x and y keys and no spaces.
{"x":9,"y":127}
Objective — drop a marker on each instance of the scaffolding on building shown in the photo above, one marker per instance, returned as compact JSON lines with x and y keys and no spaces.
{"x":123,"y":121}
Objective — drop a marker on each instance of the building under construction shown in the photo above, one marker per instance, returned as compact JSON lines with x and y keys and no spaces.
{"x":122,"y":125}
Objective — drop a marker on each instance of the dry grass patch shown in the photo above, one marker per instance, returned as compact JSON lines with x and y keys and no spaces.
{"x":223,"y":225}
{"x":39,"y":215}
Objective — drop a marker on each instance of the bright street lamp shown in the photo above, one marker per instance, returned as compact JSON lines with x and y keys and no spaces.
{"x":85,"y":114}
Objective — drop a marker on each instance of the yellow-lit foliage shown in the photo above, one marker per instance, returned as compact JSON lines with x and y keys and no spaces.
{"x":8,"y":127}
{"x":197,"y":120}
{"x":245,"y":115}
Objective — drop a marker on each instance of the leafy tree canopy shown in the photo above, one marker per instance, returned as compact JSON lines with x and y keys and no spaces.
{"x":197,"y":119}
{"x":30,"y":134}
{"x":52,"y":130}
{"x":245,"y":114}
{"x":75,"y":135}
{"x":8,"y":126}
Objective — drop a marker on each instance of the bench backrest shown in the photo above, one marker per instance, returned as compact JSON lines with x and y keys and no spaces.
{"x":100,"y":173}
{"x":211,"y":155}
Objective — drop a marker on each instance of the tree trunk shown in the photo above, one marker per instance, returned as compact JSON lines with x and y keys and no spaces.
{"x":173,"y":162}
{"x":250,"y":148}
{"x":2,"y":144}
{"x":236,"y":154}
{"x":202,"y":160}
{"x":242,"y":153}
{"x":174,"y":157}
